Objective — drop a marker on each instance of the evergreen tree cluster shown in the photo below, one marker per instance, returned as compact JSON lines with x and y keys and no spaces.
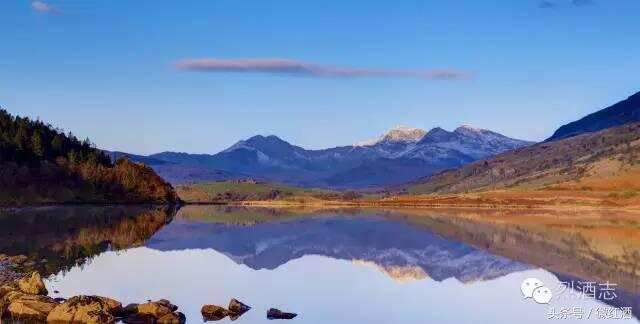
{"x":40,"y":164}
{"x":29,"y":142}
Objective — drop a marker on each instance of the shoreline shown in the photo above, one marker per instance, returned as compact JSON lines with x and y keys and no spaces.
{"x":339,"y":204}
{"x":527,"y":200}
{"x":277,"y":204}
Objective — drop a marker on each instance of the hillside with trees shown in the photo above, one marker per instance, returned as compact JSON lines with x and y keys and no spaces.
{"x":40,"y":164}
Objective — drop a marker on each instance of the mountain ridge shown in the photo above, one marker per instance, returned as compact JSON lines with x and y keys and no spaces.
{"x":623,"y":112}
{"x":401,"y":154}
{"x":588,"y":153}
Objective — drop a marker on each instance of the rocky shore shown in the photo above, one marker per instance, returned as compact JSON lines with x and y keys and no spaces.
{"x":24,"y":299}
{"x":8,"y":268}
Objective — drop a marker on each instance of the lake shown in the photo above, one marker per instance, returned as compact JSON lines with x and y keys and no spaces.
{"x":342,"y":265}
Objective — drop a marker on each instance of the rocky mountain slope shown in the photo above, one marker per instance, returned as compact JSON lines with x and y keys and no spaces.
{"x":605,"y":160}
{"x":623,"y":112}
{"x":400,"y":155}
{"x":608,"y":159}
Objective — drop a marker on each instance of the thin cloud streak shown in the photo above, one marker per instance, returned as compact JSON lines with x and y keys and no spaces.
{"x":581,"y":3}
{"x":546,"y":5}
{"x":306,"y":69}
{"x":41,"y":6}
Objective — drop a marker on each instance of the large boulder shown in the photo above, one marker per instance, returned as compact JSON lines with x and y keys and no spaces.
{"x":213,"y":312}
{"x":85,"y":309}
{"x":32,"y":285}
{"x":30,"y":308}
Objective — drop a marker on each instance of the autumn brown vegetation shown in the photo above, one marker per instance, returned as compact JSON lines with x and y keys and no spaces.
{"x":40,"y":164}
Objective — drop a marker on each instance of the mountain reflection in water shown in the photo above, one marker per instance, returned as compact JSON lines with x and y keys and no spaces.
{"x":398,"y":248}
{"x":413,"y":247}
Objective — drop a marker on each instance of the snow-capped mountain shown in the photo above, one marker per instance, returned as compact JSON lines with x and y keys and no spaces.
{"x":401,"y":154}
{"x":406,"y":156}
{"x":399,"y":134}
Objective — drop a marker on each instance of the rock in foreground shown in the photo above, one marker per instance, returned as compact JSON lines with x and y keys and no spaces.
{"x":33,"y":285}
{"x":85,"y":309}
{"x":30,"y":308}
{"x":155,"y":309}
{"x":161,"y":311}
{"x":238,"y":308}
{"x":213,"y":312}
{"x":274,"y":313}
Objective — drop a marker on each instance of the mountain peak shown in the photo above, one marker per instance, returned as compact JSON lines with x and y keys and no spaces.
{"x":469,"y":128}
{"x":403,"y":133}
{"x":262,"y":143}
{"x":437,"y":134}
{"x":265,"y":139}
{"x":398,"y":134}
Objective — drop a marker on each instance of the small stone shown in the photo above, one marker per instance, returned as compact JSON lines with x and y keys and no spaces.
{"x":274,"y":313}
{"x":32,"y":285}
{"x":29,"y":264}
{"x":213,"y":312}
{"x":238,"y":308}
{"x":18,"y":259}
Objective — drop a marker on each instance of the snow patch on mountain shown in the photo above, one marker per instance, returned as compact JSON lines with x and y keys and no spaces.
{"x":398,"y":134}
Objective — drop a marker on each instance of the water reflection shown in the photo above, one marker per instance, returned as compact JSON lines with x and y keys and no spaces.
{"x":401,"y":250}
{"x":403,"y":266}
{"x":58,"y":238}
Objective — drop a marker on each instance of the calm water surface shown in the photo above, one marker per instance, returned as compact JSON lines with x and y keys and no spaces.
{"x":349,"y":266}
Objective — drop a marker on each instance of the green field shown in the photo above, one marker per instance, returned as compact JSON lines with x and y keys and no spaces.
{"x":225,"y":191}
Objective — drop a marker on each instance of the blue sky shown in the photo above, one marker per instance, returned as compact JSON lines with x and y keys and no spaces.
{"x":110,"y":70}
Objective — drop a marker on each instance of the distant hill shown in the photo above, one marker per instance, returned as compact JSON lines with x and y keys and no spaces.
{"x":400,"y":155}
{"x":604,"y":160}
{"x":115,"y":156}
{"x":176,"y":172}
{"x":40,"y":164}
{"x":626,"y":111}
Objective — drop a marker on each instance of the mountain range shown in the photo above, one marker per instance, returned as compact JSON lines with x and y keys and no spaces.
{"x":400,"y":155}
